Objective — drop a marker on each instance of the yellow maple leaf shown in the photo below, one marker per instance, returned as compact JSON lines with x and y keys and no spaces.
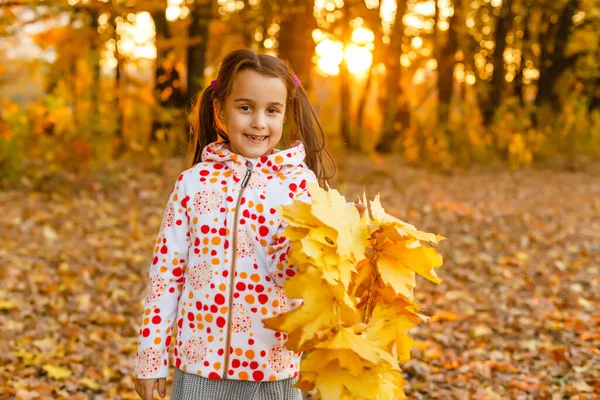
{"x":388,"y":328}
{"x":56,"y":372}
{"x":324,"y":307}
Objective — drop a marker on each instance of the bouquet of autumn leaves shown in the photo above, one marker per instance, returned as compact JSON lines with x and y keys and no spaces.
{"x":356,"y":275}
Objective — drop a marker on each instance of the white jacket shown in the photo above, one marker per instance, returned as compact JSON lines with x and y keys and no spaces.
{"x":218,"y":269}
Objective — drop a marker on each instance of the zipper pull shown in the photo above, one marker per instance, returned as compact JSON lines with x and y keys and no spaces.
{"x":247,"y":176}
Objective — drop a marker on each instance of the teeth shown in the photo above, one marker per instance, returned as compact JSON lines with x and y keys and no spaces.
{"x":257,"y":137}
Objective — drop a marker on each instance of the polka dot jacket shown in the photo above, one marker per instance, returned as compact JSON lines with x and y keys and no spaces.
{"x":218,"y":269}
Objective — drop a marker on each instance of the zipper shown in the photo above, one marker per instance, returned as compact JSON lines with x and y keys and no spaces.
{"x":233,"y":260}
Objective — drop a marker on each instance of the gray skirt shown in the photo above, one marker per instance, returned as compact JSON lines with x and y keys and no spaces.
{"x":195,"y":387}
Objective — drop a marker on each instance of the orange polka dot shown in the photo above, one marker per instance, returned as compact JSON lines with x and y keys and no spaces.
{"x":222,"y":287}
{"x":243,"y":376}
{"x":250,"y":354}
{"x":217,"y":365}
{"x":264,"y":311}
{"x":224,"y":309}
{"x":216,"y":241}
{"x":255,"y":277}
{"x":157,"y":340}
{"x":278,"y":159}
{"x":205,"y":240}
{"x":195,"y":220}
{"x":238,"y":352}
{"x":272,"y":378}
{"x":208,"y":317}
{"x":146,"y":321}
{"x":249,"y":299}
{"x":205,"y":250}
{"x":175,"y":197}
{"x":210,"y":339}
{"x":250,"y":203}
{"x":213,"y":180}
{"x":243,"y":275}
{"x":263,"y":242}
{"x":275,"y":303}
{"x":147,"y":312}
{"x":191,"y":295}
{"x":216,"y":173}
{"x":215,"y":261}
{"x":198,"y":317}
{"x":163,"y":269}
{"x":260,"y":207}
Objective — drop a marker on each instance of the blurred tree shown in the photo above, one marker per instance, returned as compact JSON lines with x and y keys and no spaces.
{"x":295,"y":37}
{"x":391,"y":111}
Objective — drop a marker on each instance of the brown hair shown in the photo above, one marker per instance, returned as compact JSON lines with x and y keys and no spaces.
{"x":205,"y":130}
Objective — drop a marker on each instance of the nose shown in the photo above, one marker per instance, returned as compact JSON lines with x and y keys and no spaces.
{"x":259,"y":122}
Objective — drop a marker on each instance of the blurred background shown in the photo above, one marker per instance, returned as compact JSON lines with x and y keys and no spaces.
{"x":475,"y":119}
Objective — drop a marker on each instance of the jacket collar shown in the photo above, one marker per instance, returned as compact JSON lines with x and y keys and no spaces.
{"x":274,"y":162}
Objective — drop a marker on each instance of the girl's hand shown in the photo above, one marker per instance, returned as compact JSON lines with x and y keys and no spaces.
{"x":145,"y":388}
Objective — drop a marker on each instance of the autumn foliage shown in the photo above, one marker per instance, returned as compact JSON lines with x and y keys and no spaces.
{"x":356,"y":275}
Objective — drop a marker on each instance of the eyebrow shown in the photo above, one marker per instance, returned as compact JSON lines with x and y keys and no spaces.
{"x":276,"y":103}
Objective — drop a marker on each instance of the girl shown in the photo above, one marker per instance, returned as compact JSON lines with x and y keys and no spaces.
{"x":219,"y":260}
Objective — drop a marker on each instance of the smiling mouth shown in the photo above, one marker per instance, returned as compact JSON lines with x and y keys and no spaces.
{"x":256,"y":138}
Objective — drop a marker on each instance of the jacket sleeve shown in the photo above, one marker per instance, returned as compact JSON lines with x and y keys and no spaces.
{"x":279,"y":268}
{"x":164,"y":288}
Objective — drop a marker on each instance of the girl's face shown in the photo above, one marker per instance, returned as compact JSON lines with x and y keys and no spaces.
{"x":253,"y":113}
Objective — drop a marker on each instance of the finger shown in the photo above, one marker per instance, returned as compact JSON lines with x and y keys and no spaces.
{"x":148,"y":388}
{"x":162,"y":387}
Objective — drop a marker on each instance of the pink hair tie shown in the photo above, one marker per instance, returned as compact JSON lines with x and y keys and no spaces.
{"x":213,"y":83}
{"x":296,"y":80}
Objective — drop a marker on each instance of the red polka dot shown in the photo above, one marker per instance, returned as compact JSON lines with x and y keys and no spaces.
{"x":241,"y":286}
{"x":258,"y":375}
{"x":156,"y":319}
{"x":293,"y":187}
{"x":263,"y":231}
{"x":220,"y":299}
{"x":164,"y":249}
{"x":235,"y":363}
{"x":205,"y":229}
{"x":259,"y":288}
{"x":204,"y":172}
{"x":214,"y":375}
{"x":263,"y":298}
{"x":220,"y":322}
{"x":146,"y":332}
{"x":177,"y":271}
{"x":190,"y":316}
{"x":253,"y":365}
{"x":154,"y":260}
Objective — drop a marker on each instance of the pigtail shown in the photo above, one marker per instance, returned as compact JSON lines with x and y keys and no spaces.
{"x":311,"y":133}
{"x":204,"y":129}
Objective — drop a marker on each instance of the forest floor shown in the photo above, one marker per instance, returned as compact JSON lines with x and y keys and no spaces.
{"x":516,"y":315}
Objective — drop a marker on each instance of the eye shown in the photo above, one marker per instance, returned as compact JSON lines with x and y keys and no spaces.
{"x":245,"y":108}
{"x":273,"y":110}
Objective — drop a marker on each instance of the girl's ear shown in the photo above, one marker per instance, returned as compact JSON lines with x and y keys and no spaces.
{"x":218,"y":110}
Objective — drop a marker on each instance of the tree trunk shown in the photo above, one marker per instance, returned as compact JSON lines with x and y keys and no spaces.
{"x":503,"y":25}
{"x":554,"y":63}
{"x":296,"y":45}
{"x":446,"y":57}
{"x":196,"y":55}
{"x":393,"y":74}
